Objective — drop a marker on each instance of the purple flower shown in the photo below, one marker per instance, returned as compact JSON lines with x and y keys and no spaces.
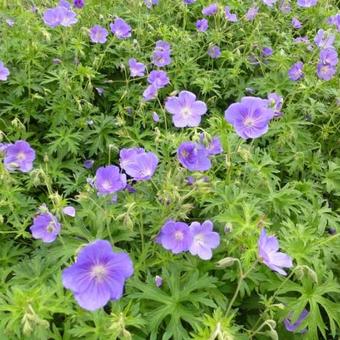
{"x":155,"y":117}
{"x":329,"y":56}
{"x":175,"y":236}
{"x":325,"y":72}
{"x":137,"y":69}
{"x":64,"y":3}
{"x":214,"y":147}
{"x":3,"y":147}
{"x":100,"y":90}
{"x":267,"y":51}
{"x":306,"y":3}
{"x":61,"y":15}
{"x":193,"y":156}
{"x":69,"y":18}
{"x":162,"y":46}
{"x":190,"y":180}
{"x":10,"y":22}
{"x":150,"y":3}
{"x":56,"y":61}
{"x":45,"y":227}
{"x":186,"y":110}
{"x":98,"y":275}
{"x":203,"y":239}
{"x":285,"y":6}
{"x":189,"y":2}
{"x":296,"y":23}
{"x":161,"y":55}
{"x":138,"y":164}
{"x":79,"y":3}
{"x":269,"y":3}
{"x":214,"y":52}
{"x":202,"y":25}
{"x":19,"y":156}
{"x":130,"y":189}
{"x":159,"y":79}
{"x":296,"y":71}
{"x":4,"y":72}
{"x":335,"y":20}
{"x":292,"y":327}
{"x":150,"y":93}
{"x":120,"y":29}
{"x":53,"y":16}
{"x":324,"y":39}
{"x":268,"y":252}
{"x":303,"y":40}
{"x":98,"y":34}
{"x":275,"y":103}
{"x":250,"y":117}
{"x":69,"y":211}
{"x":210,"y":10}
{"x":161,"y":58}
{"x":252,"y":13}
{"x":158,"y":280}
{"x":229,"y":16}
{"x":109,"y":180}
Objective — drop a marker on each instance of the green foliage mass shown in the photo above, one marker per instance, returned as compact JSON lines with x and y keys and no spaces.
{"x":287,"y":181}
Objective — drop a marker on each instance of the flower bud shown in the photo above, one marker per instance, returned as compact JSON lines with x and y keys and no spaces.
{"x":226,"y":262}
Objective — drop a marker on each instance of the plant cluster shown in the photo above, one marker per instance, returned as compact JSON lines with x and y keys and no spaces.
{"x":169,"y":169}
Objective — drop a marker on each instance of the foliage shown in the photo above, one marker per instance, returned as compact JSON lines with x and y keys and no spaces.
{"x":287,"y":181}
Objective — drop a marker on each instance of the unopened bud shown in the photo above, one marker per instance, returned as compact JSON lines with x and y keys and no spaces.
{"x":226,"y":262}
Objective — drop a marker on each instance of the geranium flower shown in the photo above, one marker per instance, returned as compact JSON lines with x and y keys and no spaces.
{"x":292,"y":327}
{"x":268,"y":247}
{"x":250,"y":117}
{"x":109,"y":180}
{"x":307,"y":3}
{"x":98,"y":275}
{"x":137,"y":69}
{"x":210,"y":10}
{"x":204,"y":239}
{"x":120,"y":28}
{"x":193,"y":156}
{"x":98,"y":34}
{"x":175,"y":236}
{"x":19,"y":156}
{"x":138,"y":164}
{"x":296,"y":71}
{"x":45,"y":227}
{"x":186,"y":110}
{"x":159,"y":79}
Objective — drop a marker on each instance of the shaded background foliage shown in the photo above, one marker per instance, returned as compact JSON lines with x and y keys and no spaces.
{"x":287,"y":180}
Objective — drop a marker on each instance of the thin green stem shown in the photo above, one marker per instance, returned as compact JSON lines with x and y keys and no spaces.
{"x":252,"y":331}
{"x":241,"y":279}
{"x":164,"y":114}
{"x":230,"y":168}
{"x":329,"y":239}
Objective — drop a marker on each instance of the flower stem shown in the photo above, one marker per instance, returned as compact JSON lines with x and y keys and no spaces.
{"x":242,"y":277}
{"x":252,"y":331}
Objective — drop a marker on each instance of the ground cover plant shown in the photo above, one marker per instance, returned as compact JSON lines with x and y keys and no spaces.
{"x":169,"y":169}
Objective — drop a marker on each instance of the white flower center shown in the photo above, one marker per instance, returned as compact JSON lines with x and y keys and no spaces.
{"x":179,"y":236}
{"x":21,"y":156}
{"x":248,"y":122}
{"x":106,"y":185}
{"x":50,"y":227}
{"x":325,"y":68}
{"x":186,"y":111}
{"x":199,"y":239}
{"x":98,"y":272}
